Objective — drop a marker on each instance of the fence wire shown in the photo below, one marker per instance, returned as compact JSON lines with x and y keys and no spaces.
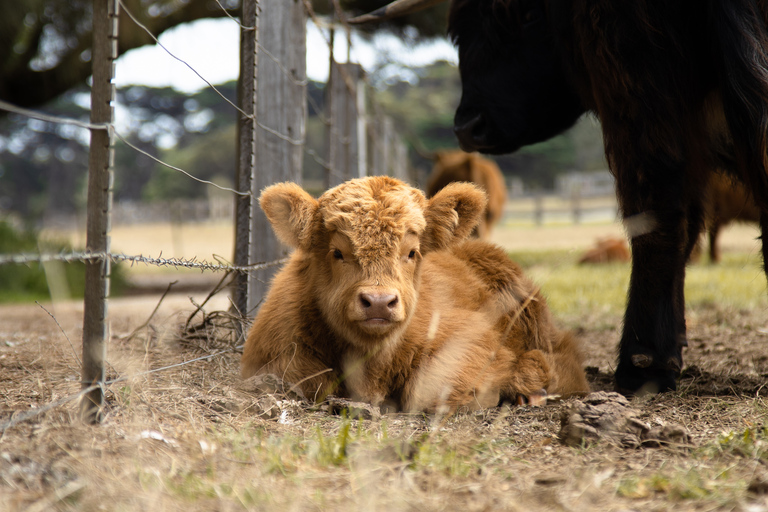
{"x":159,"y":261}
{"x":190,"y":263}
{"x":181,"y":262}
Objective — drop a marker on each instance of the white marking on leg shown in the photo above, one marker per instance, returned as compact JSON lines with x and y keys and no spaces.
{"x":640,"y":224}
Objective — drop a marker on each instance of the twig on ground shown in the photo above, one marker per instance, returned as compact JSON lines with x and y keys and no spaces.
{"x":74,"y":352}
{"x":152,"y":315}
{"x":219,"y":287}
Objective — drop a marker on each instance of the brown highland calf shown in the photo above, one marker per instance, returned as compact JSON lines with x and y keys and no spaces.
{"x":607,"y":250}
{"x":385,"y":301}
{"x":457,"y":165}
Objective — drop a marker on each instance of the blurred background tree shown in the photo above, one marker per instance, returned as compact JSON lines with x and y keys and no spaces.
{"x":45,"y":45}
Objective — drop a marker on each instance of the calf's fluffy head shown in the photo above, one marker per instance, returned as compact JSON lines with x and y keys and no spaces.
{"x":363,"y":242}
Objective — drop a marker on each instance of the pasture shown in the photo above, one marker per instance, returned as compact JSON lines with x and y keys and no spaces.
{"x":193,"y":437}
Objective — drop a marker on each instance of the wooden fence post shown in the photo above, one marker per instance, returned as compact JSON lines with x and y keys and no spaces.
{"x":576,"y":203}
{"x":330,"y":146}
{"x":538,"y":208}
{"x":100,"y":182}
{"x":400,"y":161}
{"x":246,"y":149}
{"x":347,"y":158}
{"x":281,"y":120}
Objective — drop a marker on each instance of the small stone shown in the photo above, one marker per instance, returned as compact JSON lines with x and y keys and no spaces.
{"x":355,"y":410}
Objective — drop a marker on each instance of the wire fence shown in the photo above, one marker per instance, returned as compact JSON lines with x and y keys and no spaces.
{"x":359,"y":137}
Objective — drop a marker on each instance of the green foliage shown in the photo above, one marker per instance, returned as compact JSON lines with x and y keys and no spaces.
{"x":677,"y":486}
{"x":210,"y":157}
{"x":332,"y":450}
{"x":26,"y":282}
{"x":20,"y":282}
{"x":752,"y":443}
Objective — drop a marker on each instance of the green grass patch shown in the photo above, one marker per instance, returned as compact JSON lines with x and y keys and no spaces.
{"x":737,"y":281}
{"x":599,"y":291}
{"x":676,"y":485}
{"x":752,"y":443}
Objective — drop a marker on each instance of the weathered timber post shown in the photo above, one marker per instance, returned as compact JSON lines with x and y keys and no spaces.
{"x":330,"y":146}
{"x":387,"y":138}
{"x":576,"y":203}
{"x":100,"y":181}
{"x":280,"y":117}
{"x":246,"y":149}
{"x":538,"y":208}
{"x":375,"y":142}
{"x":400,"y":161}
{"x":348,"y":158}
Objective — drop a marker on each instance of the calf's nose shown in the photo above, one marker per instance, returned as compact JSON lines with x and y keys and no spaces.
{"x":378,"y":305}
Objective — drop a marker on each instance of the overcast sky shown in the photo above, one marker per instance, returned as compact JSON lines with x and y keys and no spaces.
{"x":211,"y":47}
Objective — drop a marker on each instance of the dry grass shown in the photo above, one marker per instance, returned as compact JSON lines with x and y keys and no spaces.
{"x":193,"y":438}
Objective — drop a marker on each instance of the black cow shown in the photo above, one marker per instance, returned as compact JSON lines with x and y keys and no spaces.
{"x":680,"y":87}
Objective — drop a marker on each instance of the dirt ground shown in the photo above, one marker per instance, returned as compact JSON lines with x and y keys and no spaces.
{"x":193,"y":437}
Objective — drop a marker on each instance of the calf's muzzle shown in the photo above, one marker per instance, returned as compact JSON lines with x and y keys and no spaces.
{"x":378,"y":305}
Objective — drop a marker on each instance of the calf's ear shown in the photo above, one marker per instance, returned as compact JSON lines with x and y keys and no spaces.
{"x":290,"y":210}
{"x":452,"y":214}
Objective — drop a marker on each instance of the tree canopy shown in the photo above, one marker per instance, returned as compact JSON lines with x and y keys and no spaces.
{"x":45,"y":45}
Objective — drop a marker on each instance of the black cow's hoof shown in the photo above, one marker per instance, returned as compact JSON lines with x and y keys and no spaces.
{"x":632,"y":380}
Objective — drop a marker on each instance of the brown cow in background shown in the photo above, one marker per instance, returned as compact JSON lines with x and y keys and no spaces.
{"x":384,"y":300}
{"x":727,"y":200}
{"x":456,"y":165}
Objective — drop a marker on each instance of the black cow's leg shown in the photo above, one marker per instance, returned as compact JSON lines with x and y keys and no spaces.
{"x":663,"y":230}
{"x":654,"y":328}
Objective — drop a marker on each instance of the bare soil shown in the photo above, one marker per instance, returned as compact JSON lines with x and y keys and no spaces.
{"x":194,"y":437}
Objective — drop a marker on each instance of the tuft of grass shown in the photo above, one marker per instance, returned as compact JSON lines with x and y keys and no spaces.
{"x":680,"y":485}
{"x":752,"y":443}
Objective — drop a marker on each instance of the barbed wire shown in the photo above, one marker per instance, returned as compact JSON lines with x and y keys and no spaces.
{"x":193,"y":263}
{"x":283,"y":69}
{"x":226,"y":12}
{"x":286,"y":138}
{"x":346,"y":140}
{"x":86,"y":256}
{"x":206,"y":182}
{"x":158,"y":43}
{"x":51,"y":118}
{"x":313,"y":16}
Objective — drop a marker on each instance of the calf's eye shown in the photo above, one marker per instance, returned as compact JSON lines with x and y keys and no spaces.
{"x":337,"y":254}
{"x":412,"y":254}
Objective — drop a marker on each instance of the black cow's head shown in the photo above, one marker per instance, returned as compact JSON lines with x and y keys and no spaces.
{"x":515,"y":88}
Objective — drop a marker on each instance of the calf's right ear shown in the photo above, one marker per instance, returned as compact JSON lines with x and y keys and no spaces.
{"x":290,"y":210}
{"x":452,"y":214}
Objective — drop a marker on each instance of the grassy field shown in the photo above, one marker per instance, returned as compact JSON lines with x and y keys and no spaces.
{"x":193,"y":437}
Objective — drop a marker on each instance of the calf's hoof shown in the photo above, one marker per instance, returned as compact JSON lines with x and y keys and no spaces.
{"x":633,"y":379}
{"x":535,"y":399}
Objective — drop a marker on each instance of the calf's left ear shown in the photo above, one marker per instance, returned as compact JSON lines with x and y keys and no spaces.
{"x":452,"y":214}
{"x":290,"y":210}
